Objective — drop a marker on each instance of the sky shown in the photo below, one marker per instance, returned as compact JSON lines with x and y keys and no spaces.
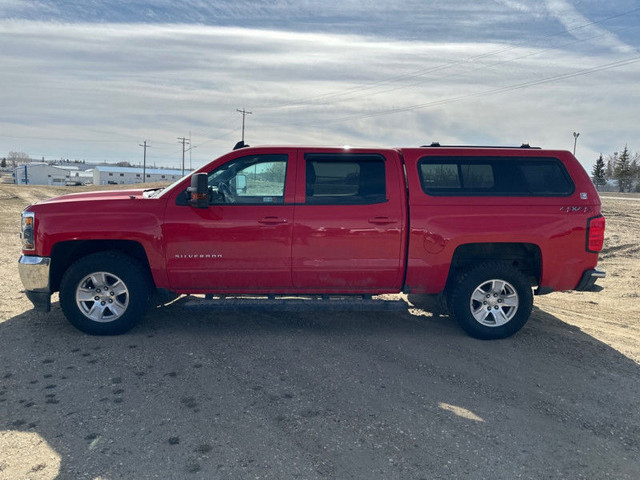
{"x":91,"y":80}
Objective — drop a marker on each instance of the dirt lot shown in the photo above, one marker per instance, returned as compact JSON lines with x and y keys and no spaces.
{"x":393,"y":395}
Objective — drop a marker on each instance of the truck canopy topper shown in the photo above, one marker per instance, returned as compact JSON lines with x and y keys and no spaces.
{"x":478,"y":226}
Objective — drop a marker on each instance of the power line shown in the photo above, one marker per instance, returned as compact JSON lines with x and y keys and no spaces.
{"x":494,"y":91}
{"x":361,"y":90}
{"x":477,"y":68}
{"x":418,"y":73}
{"x":217,"y":138}
{"x":32,"y":137}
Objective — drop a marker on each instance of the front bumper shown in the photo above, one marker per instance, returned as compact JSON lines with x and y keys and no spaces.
{"x":589,"y":278}
{"x":34,"y":273}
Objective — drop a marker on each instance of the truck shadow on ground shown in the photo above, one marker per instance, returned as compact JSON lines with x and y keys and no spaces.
{"x":315,"y":395}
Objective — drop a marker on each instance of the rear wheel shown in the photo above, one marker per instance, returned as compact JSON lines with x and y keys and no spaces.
{"x":105,"y":293}
{"x":492,"y":300}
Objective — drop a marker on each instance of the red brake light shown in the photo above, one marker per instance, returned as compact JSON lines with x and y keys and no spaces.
{"x":595,"y":234}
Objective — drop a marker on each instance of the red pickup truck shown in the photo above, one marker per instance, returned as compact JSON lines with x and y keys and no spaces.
{"x":482,"y":226}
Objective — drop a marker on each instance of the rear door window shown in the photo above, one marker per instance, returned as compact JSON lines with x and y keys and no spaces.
{"x":344,"y":179}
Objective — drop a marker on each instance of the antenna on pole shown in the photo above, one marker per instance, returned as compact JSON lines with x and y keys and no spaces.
{"x":244,"y":114}
{"x":144,"y":161}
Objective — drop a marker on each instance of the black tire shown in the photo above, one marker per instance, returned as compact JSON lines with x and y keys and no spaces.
{"x":99,"y":311}
{"x":496,"y":291}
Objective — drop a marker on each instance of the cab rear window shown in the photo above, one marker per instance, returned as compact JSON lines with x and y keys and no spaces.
{"x":494,"y":176}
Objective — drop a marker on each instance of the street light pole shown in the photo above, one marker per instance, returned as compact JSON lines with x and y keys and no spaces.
{"x":575,"y":141}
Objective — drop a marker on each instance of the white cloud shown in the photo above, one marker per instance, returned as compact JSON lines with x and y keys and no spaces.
{"x":584,"y":29}
{"x":521,"y":6}
{"x":94,"y":90}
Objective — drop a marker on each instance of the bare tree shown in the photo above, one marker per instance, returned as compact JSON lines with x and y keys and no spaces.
{"x":15,"y":158}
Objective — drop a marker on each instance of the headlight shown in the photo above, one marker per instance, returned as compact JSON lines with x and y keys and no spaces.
{"x":27,"y":231}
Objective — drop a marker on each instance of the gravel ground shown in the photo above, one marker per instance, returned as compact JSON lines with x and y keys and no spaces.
{"x":313,"y":395}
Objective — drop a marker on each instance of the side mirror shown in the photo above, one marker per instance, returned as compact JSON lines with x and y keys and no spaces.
{"x":199,"y":191}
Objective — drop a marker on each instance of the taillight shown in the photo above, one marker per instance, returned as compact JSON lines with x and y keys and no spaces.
{"x":595,"y":234}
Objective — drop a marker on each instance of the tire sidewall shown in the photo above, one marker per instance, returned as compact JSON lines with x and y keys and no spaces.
{"x":466,"y":285}
{"x":122,"y":266}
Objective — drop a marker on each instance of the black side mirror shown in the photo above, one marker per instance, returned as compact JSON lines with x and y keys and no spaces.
{"x":199,"y":191}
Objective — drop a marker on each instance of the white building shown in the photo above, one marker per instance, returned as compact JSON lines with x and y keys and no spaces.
{"x":80,"y":177}
{"x":41,"y":174}
{"x":107,"y":175}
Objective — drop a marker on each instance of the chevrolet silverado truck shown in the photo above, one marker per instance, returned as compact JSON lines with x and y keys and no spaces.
{"x":483,"y":227}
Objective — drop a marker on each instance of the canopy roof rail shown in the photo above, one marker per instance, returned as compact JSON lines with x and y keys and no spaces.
{"x":437,"y":144}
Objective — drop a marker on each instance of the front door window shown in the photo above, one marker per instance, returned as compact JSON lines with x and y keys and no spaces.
{"x":256,"y":180}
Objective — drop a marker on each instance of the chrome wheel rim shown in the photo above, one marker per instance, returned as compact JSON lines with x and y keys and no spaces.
{"x":494,"y":303}
{"x":102,"y":297}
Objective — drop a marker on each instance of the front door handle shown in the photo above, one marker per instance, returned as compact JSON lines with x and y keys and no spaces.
{"x":272,"y":220}
{"x":382,"y":220}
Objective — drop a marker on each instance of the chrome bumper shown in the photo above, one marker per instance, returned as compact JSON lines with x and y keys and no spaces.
{"x":34,"y":273}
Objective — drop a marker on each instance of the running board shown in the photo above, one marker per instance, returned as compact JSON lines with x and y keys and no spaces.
{"x":296,"y":304}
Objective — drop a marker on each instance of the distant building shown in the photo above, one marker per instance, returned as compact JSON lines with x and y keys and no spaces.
{"x":80,"y":177}
{"x":41,"y":174}
{"x":107,"y":175}
{"x":45,"y":174}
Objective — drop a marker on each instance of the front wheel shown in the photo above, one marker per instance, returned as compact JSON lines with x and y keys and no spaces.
{"x":492,"y":300}
{"x":105,"y":293}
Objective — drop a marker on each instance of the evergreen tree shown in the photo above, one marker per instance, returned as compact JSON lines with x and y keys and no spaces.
{"x":3,"y":163}
{"x":635,"y":173}
{"x":622,"y":171}
{"x":599,"y":173}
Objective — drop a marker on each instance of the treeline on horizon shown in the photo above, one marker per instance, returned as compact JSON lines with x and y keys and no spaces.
{"x":621,"y":169}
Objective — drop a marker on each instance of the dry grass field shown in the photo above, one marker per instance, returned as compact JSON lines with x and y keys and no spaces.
{"x":325,"y":395}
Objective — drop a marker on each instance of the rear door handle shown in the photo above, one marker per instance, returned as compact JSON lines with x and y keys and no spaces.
{"x":272,"y":220}
{"x":382,"y":220}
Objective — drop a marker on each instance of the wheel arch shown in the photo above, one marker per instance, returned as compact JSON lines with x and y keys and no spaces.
{"x":63,"y":254}
{"x":525,"y":257}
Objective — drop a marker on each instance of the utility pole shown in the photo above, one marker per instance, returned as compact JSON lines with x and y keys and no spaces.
{"x":244,"y":114}
{"x":184,"y":141}
{"x":575,"y":141}
{"x":144,"y":161}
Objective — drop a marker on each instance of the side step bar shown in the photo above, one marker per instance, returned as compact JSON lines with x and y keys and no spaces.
{"x":295,"y":304}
